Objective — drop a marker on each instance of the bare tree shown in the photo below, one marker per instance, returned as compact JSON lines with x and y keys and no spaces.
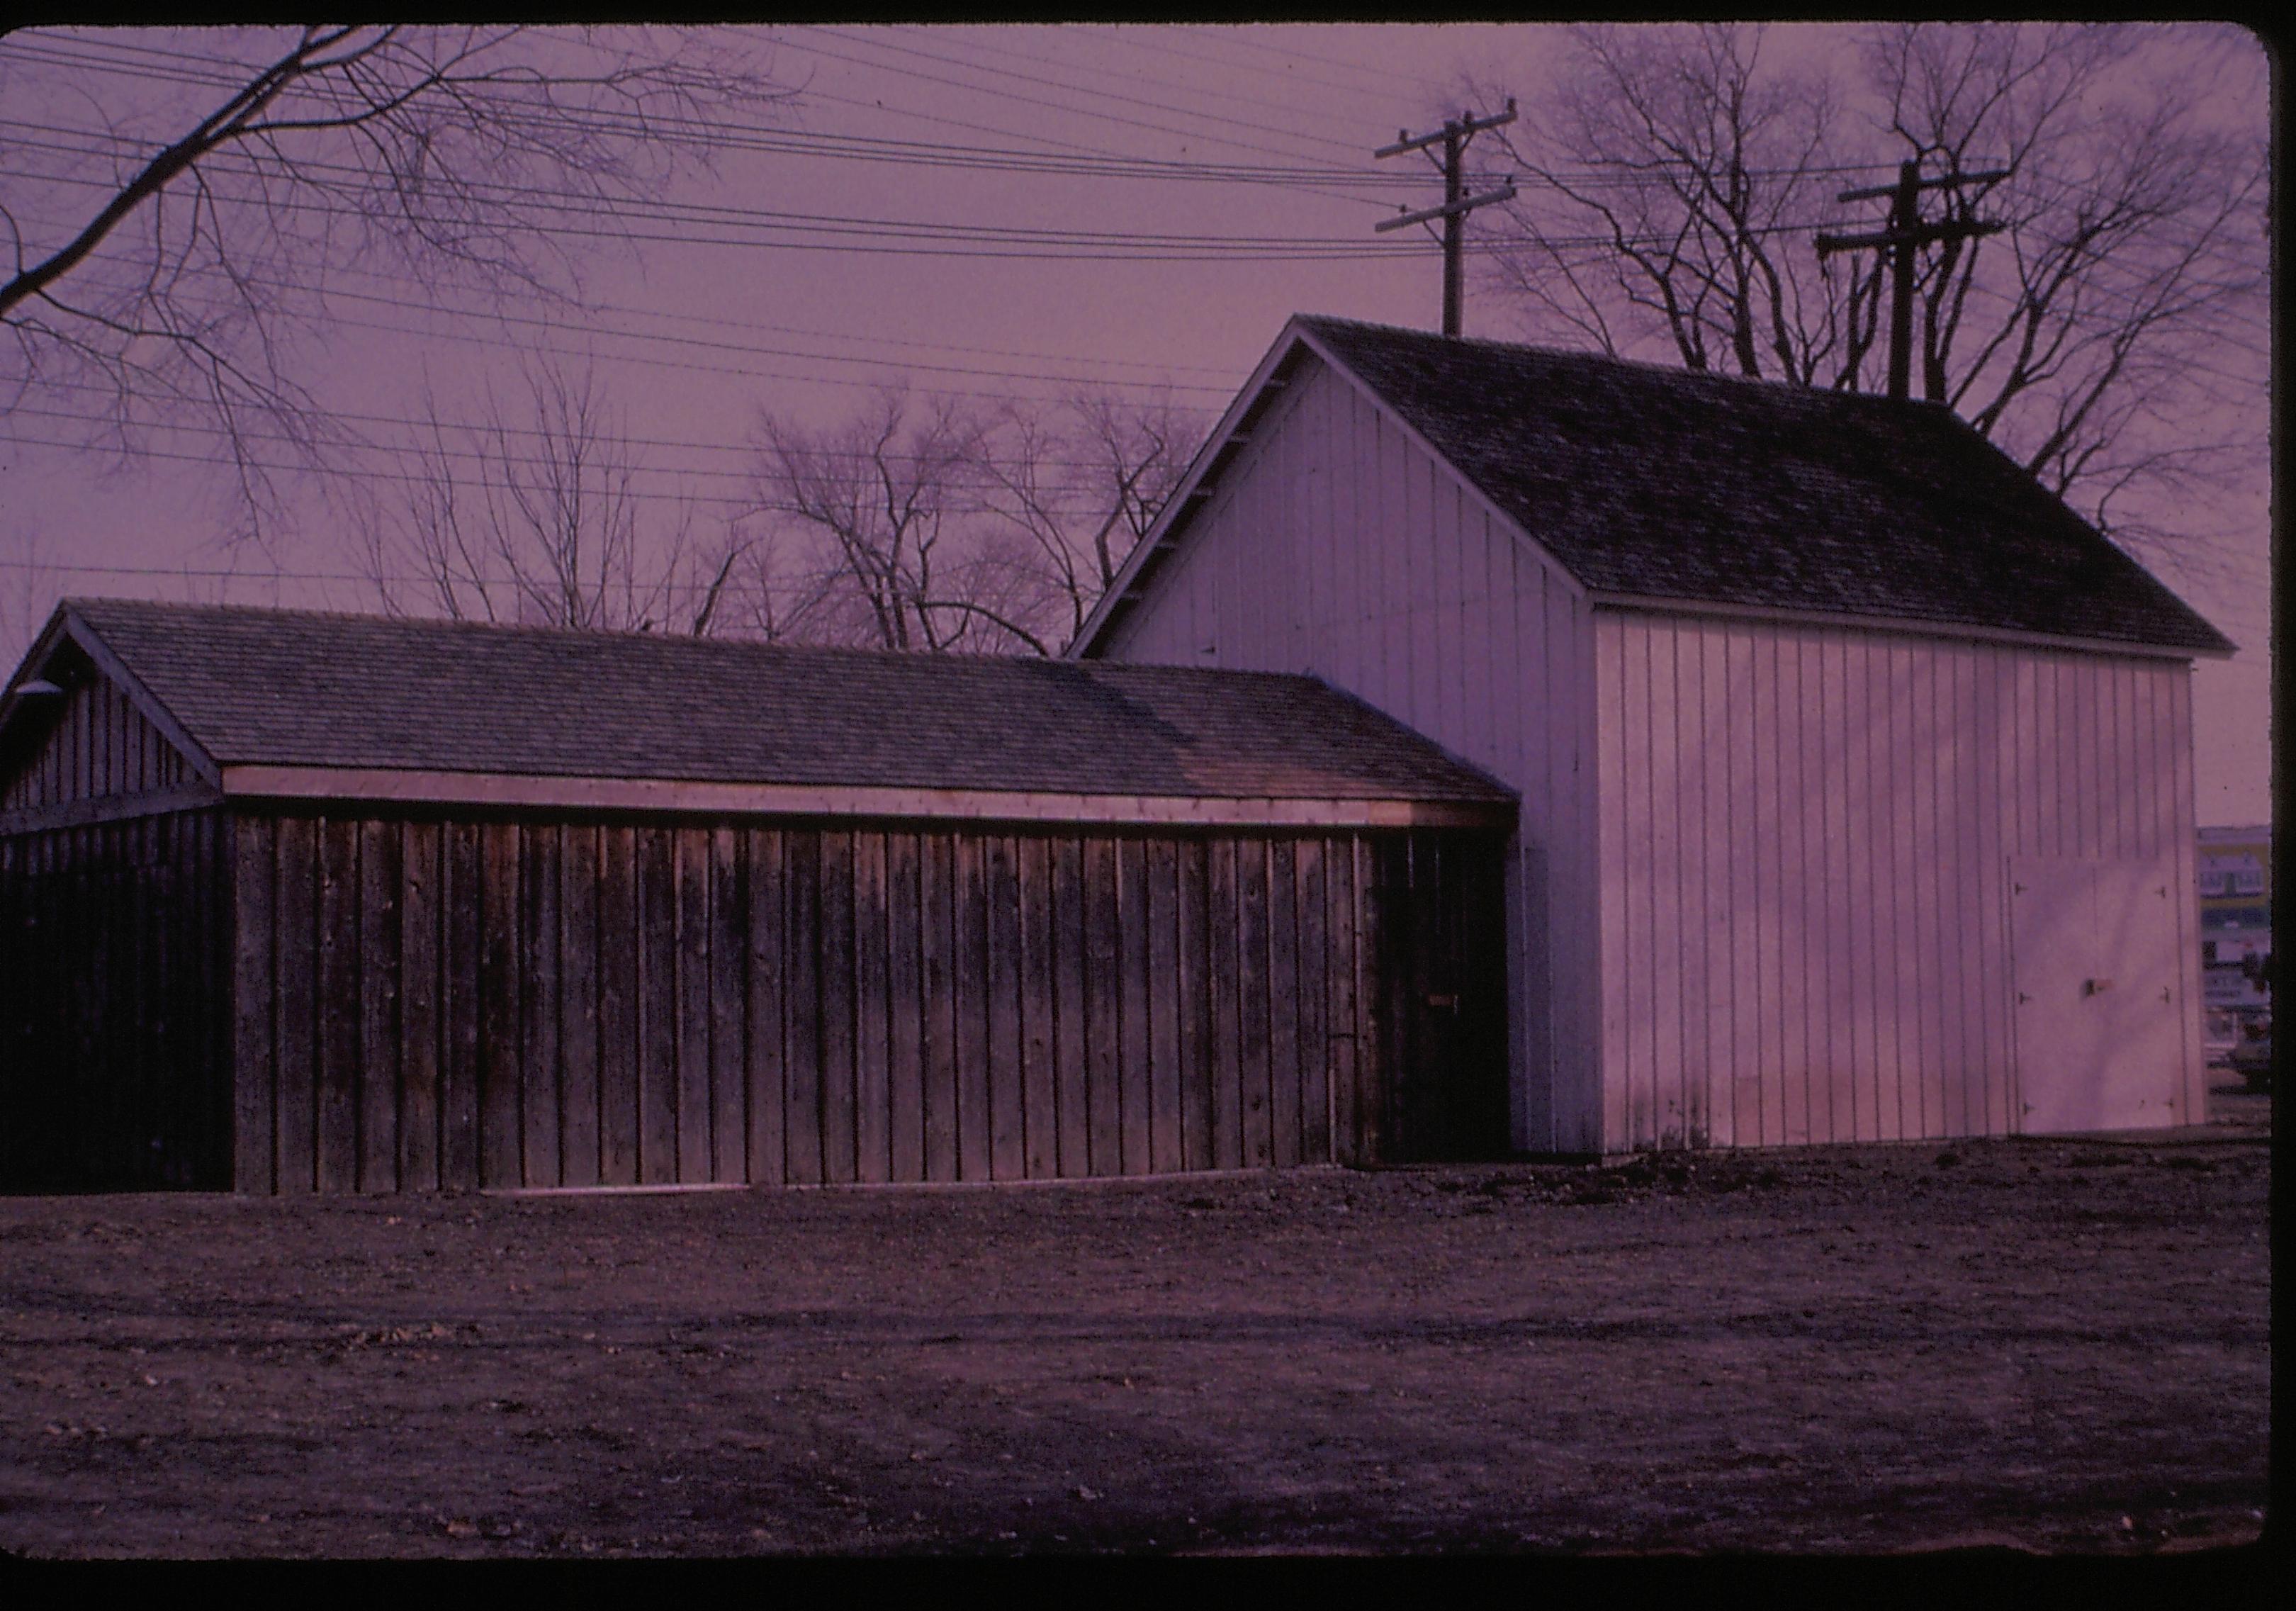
{"x":1077,"y":486}
{"x":190,"y":288}
{"x":1679,"y":175}
{"x":882,"y":498}
{"x":942,"y":526}
{"x":534,"y":515}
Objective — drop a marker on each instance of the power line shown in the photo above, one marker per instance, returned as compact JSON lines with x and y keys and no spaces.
{"x":1137,"y":42}
{"x":1109,"y":117}
{"x":1158,"y":39}
{"x":1237,"y":35}
{"x":856,"y":234}
{"x":963,"y":37}
{"x":979,"y":241}
{"x":741,"y":505}
{"x":906,"y":153}
{"x":718,"y":135}
{"x":1094,"y":491}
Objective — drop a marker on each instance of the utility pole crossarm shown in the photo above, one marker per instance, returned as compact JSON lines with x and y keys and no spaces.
{"x":1874,"y":192}
{"x":1466,"y":124}
{"x":1905,"y":230}
{"x":1457,"y":204}
{"x":1921,"y":234}
{"x":1505,"y":193}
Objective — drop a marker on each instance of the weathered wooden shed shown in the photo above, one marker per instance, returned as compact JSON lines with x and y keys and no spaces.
{"x":1856,"y":770}
{"x":295,"y":902}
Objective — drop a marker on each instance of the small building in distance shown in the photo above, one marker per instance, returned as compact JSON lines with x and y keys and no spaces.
{"x":294,"y":902}
{"x":2235,"y":885}
{"x":1856,"y":770}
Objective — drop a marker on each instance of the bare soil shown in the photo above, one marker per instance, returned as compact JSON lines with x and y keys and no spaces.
{"x":2051,"y":1345}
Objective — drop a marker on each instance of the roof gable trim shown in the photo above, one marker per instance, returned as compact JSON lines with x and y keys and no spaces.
{"x":148,"y":705}
{"x":1135,"y":576}
{"x":1194,"y":491}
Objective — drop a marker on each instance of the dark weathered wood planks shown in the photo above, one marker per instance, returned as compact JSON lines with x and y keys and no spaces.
{"x":541,"y":974}
{"x":906,"y":1007}
{"x":657,"y":998}
{"x":693,"y":1153}
{"x":768,"y":918}
{"x":579,"y":1016}
{"x":418,"y":1022}
{"x":620,"y":1046}
{"x":801,"y":1041}
{"x":1007,"y":1098}
{"x":729,"y":939}
{"x":380,"y":947}
{"x":254,"y":1073}
{"x":418,"y":1004}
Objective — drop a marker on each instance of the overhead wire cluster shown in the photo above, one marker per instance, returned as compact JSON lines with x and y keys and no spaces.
{"x":1264,"y":154}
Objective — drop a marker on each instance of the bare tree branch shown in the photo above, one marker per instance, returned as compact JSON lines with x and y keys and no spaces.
{"x":192,"y":291}
{"x":943,"y":527}
{"x":1677,"y":175}
{"x":531,"y":514}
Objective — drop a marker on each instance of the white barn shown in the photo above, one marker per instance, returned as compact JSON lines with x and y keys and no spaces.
{"x":1856,"y":770}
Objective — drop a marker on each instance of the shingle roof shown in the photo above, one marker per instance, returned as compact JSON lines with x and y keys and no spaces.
{"x":1665,"y":483}
{"x":294,"y":688}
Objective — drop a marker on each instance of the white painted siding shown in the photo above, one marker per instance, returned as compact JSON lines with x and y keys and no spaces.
{"x":1336,"y":545}
{"x":1804,"y":835}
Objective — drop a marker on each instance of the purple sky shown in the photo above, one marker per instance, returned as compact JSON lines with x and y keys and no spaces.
{"x":703,"y":335}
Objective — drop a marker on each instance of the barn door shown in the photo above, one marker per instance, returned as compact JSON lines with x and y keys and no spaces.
{"x":2093,"y":951}
{"x":1448,"y":1098}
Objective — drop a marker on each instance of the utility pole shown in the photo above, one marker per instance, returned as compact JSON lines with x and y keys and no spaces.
{"x":1457,"y":204}
{"x":1905,"y":232}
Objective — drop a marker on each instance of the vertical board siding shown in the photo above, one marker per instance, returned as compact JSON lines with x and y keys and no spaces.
{"x":1336,"y":546}
{"x":1039,"y":1125}
{"x":906,"y":1007}
{"x":410,"y":1004}
{"x":100,"y":746}
{"x":619,"y":1046}
{"x":970,"y":948}
{"x":117,"y":959}
{"x":872,"y":1028}
{"x":541,"y":965}
{"x":375,"y":1079}
{"x":502,"y":1139}
{"x":835,"y":979}
{"x":581,"y":1014}
{"x":694,"y":1154}
{"x":1071,"y":1008}
{"x":1804,"y":835}
{"x":1007,"y":1095}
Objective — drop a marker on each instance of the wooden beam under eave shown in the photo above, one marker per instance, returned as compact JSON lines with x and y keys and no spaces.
{"x":694,"y":797}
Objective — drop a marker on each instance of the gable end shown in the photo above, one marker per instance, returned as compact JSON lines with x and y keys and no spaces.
{"x":81,"y":742}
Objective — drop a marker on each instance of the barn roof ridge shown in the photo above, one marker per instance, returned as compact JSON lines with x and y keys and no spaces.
{"x":1648,"y":482}
{"x":1651,"y":367}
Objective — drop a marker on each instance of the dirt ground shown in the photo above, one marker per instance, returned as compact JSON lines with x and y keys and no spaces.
{"x":2052,"y":1346}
